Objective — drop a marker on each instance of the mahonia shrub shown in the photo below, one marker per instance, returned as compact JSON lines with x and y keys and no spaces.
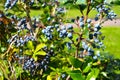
{"x":45,"y":47}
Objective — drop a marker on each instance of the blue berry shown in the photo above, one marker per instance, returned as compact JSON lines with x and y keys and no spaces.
{"x":94,"y":57}
{"x":81,"y":19}
{"x":95,"y":29}
{"x":63,"y":75}
{"x":69,"y":27}
{"x":89,"y":25}
{"x":88,"y":20}
{"x":96,"y":40}
{"x":68,"y":44}
{"x":82,"y":24}
{"x":1,"y":15}
{"x":70,"y":36}
{"x":97,"y":25}
{"x":96,"y":18}
{"x":90,"y":36}
{"x":56,"y":26}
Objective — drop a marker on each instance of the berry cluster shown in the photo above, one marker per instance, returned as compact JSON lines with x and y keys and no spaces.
{"x":85,"y":50}
{"x":103,"y":8}
{"x":20,"y":41}
{"x":62,"y":32}
{"x":22,"y":22}
{"x":29,"y":64}
{"x":94,"y":37}
{"x":48,"y":32}
{"x":10,"y":3}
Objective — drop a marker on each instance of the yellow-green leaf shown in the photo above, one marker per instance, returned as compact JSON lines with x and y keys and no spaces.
{"x":39,"y":46}
{"x":30,"y":45}
{"x":49,"y":77}
{"x":44,"y":39}
{"x":28,"y":52}
{"x":40,"y":53}
{"x":35,"y":57}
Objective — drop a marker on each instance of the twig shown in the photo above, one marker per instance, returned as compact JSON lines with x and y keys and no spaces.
{"x":12,"y":70}
{"x":88,"y":10}
{"x":9,"y":48}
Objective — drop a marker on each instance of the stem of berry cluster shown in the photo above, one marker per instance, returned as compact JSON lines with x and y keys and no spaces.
{"x":88,"y":10}
{"x":27,"y":10}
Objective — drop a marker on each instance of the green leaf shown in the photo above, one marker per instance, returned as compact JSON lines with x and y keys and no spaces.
{"x":93,"y":74}
{"x":35,"y":58}
{"x":49,"y":77}
{"x":104,"y":74}
{"x":3,"y":49}
{"x":39,"y":46}
{"x":40,"y":53}
{"x":30,"y":45}
{"x":4,"y":69}
{"x":52,"y":68}
{"x":72,"y":50}
{"x":18,"y":70}
{"x":75,"y":62}
{"x":87,"y":68}
{"x":76,"y":74}
{"x":99,"y":1}
{"x":82,"y":7}
{"x":28,"y":52}
{"x":43,"y":38}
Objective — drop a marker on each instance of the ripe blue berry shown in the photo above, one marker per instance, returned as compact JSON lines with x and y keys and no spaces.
{"x":88,"y":20}
{"x":70,"y":36}
{"x":68,"y":44}
{"x":82,"y":24}
{"x":90,"y":36}
{"x":96,"y":18}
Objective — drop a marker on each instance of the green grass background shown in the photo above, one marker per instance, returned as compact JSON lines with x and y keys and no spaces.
{"x":72,"y":13}
{"x":112,"y":40}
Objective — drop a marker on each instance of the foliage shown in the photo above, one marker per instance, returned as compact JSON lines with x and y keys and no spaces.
{"x":117,"y":2}
{"x":43,"y":47}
